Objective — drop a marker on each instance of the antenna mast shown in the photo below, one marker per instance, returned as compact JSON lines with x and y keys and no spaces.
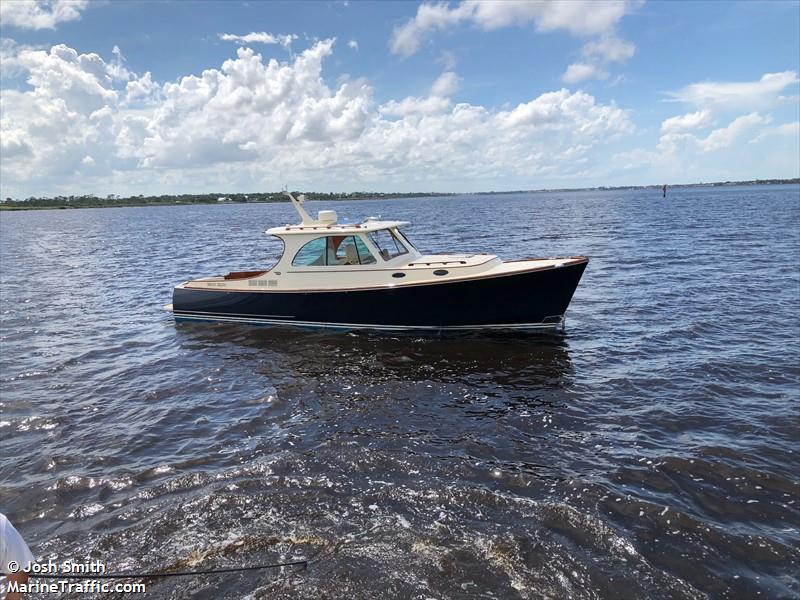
{"x":298,"y":205}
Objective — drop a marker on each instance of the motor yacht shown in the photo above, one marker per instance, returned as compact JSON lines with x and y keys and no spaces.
{"x":369,"y":275}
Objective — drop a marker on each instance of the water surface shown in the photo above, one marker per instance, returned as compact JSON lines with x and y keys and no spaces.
{"x":650,"y":452}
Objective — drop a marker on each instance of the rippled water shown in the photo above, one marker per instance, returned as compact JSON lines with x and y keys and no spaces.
{"x":650,"y":452}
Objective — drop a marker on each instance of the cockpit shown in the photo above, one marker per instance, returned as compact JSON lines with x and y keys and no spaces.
{"x":358,"y":249}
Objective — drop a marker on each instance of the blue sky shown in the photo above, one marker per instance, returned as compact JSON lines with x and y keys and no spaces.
{"x":170,"y":97}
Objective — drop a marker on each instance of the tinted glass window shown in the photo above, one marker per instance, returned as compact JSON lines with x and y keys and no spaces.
{"x":313,"y":253}
{"x":333,"y":250}
{"x":362,"y":252}
{"x":405,"y":239}
{"x":388,"y":245}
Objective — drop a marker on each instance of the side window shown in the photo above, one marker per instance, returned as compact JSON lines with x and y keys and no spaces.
{"x":313,"y":253}
{"x":364,"y":255}
{"x":352,"y":251}
{"x":346,"y":253}
{"x":333,"y":250}
{"x":388,"y":245}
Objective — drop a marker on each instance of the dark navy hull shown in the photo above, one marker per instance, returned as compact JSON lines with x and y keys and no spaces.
{"x":526,"y":300}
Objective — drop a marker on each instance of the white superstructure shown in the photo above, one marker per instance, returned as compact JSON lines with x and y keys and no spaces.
{"x":322,"y":254}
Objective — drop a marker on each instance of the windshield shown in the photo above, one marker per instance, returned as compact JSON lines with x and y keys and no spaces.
{"x":405,"y":239}
{"x":387,"y":244}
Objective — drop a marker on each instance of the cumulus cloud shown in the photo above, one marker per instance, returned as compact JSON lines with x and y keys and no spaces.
{"x":40,"y":14}
{"x":247,"y":107}
{"x":738,"y":128}
{"x":14,"y":144}
{"x":596,"y":55}
{"x":447,"y":58}
{"x":609,"y":48}
{"x":446,"y":84}
{"x":555,"y":132}
{"x":251,"y":119}
{"x":406,"y":38}
{"x":578,"y":17}
{"x":737,"y":95}
{"x":81,"y":83}
{"x":715,"y":100}
{"x":142,"y":89}
{"x":578,"y":72}
{"x":737,"y":150}
{"x":680,"y":147}
{"x":676,"y":142}
{"x":413,"y":105}
{"x":352,"y":44}
{"x":693,"y":120}
{"x":9,"y":54}
{"x":69,"y":110}
{"x":259,"y":37}
{"x":791,"y":130}
{"x":564,"y":110}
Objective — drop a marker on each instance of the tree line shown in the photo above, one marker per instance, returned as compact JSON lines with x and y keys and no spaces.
{"x":93,"y":201}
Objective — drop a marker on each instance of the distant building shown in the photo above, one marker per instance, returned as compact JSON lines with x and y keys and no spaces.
{"x":223,"y":199}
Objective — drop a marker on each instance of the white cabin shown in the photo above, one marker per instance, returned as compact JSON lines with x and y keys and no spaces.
{"x":321,"y":254}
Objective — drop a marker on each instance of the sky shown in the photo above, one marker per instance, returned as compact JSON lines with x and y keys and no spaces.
{"x":131,"y":97}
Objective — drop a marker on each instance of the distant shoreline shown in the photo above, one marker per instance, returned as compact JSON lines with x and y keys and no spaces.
{"x":112,"y":201}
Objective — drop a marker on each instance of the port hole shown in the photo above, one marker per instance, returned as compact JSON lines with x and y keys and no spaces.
{"x":440,"y":272}
{"x":398,"y":275}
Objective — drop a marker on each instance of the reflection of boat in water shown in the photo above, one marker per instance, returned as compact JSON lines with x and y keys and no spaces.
{"x":513,"y":364}
{"x":369,"y":275}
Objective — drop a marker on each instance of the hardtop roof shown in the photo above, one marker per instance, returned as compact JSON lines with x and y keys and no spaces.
{"x":339,"y":228}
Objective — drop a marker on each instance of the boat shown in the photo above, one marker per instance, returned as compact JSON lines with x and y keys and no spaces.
{"x":369,"y":275}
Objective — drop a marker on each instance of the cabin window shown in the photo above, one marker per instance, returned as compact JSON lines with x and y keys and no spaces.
{"x":313,"y":253}
{"x":333,"y":250}
{"x":405,"y":239}
{"x":387,"y":244}
{"x":356,"y":251}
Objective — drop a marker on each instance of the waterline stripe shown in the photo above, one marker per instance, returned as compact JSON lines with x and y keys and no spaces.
{"x":514,"y":326}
